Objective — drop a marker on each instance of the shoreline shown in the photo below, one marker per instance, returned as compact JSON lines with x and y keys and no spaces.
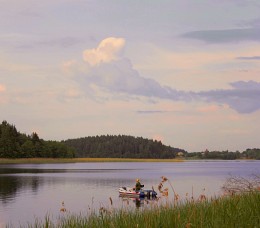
{"x":81,"y":160}
{"x":86,"y":160}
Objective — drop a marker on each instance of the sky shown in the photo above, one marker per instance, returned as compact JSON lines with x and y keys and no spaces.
{"x":184,"y":72}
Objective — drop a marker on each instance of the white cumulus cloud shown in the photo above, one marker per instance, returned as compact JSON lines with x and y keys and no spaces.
{"x":108,"y":50}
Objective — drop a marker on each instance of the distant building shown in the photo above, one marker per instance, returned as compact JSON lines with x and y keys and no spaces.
{"x":180,"y":154}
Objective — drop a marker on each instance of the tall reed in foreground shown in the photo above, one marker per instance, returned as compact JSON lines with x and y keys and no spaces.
{"x":232,"y":211}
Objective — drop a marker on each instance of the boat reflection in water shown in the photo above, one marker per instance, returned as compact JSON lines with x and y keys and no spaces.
{"x":137,"y":201}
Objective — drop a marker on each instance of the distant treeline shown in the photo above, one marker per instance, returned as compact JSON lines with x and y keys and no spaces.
{"x":225,"y":155}
{"x":121,"y":146}
{"x":14,"y":144}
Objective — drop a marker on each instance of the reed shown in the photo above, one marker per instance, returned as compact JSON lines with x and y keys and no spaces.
{"x":228,"y":211}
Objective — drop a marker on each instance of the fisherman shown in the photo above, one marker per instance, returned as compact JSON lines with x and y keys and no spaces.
{"x":137,"y":185}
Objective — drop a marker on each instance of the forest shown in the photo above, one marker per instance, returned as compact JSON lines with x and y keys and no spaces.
{"x":14,"y":144}
{"x":253,"y":153}
{"x":121,"y":146}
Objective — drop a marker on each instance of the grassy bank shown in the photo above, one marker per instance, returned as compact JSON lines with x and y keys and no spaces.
{"x":234,"y":211}
{"x":74,"y":160}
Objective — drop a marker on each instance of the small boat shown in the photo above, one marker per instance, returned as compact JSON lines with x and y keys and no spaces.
{"x":126,"y":191}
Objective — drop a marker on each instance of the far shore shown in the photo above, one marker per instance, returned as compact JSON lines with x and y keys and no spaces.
{"x":78,"y":160}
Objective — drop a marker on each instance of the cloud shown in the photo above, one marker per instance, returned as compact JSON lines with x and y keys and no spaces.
{"x":112,"y":73}
{"x":120,"y":77}
{"x":249,"y":58}
{"x":253,"y":23}
{"x":243,"y":97}
{"x":108,"y":50}
{"x":150,"y":111}
{"x":225,"y":36}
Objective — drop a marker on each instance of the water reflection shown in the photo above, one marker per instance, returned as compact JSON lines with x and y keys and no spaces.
{"x":8,"y":188}
{"x":11,"y":185}
{"x":17,"y":179}
{"x":136,"y":201}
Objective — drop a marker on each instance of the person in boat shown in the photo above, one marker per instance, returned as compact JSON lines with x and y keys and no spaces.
{"x":138,"y":185}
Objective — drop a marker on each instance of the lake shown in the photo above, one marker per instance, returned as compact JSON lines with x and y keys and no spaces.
{"x":29,"y":191}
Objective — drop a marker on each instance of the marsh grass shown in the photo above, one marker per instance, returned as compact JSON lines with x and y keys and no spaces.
{"x":230,"y":211}
{"x":75,"y":160}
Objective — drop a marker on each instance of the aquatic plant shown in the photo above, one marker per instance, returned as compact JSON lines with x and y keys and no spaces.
{"x":232,"y":211}
{"x":239,"y":184}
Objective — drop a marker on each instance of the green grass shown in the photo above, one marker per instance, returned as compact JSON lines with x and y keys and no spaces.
{"x":74,"y":160}
{"x":233,"y":211}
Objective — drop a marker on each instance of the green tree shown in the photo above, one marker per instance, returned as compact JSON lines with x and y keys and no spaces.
{"x":28,"y":149}
{"x":14,"y":144}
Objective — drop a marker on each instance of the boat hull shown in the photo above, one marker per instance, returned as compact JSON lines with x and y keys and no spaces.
{"x":125,"y":191}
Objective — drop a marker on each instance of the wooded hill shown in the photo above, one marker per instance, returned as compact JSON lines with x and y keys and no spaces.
{"x":14,"y":144}
{"x":121,"y":146}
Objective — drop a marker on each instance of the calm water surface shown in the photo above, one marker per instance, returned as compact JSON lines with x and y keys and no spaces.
{"x":29,"y":191}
